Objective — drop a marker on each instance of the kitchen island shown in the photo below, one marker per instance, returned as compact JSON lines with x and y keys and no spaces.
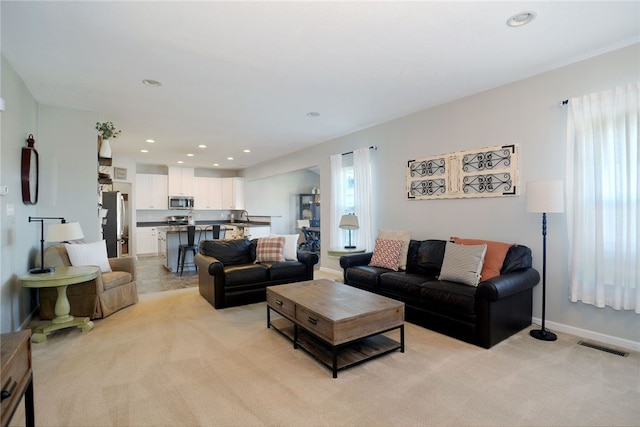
{"x":170,"y":237}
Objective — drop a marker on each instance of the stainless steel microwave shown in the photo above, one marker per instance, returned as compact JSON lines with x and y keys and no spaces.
{"x":180,"y":202}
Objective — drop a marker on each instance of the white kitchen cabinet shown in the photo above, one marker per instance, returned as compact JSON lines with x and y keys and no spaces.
{"x":151,"y":191}
{"x":233,"y":193}
{"x":208,"y":193}
{"x":181,"y":181}
{"x":146,"y":241}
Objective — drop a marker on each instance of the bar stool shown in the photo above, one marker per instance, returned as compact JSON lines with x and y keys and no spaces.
{"x":214,"y":229}
{"x":184,"y":248}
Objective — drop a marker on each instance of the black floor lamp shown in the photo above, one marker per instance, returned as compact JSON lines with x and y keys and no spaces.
{"x":544,"y":197}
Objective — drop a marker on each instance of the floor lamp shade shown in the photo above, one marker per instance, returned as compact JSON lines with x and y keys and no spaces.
{"x":544,"y":197}
{"x":349,"y":222}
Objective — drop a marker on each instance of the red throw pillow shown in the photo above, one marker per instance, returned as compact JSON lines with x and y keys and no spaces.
{"x":386,"y":254}
{"x":493,"y":259}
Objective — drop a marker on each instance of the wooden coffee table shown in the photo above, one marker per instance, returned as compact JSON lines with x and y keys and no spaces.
{"x":339,"y":325}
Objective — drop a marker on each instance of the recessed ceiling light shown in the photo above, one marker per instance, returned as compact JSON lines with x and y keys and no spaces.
{"x":246,"y":151}
{"x":520,"y":19}
{"x":229,"y":158}
{"x":144,"y":151}
{"x":180,"y":162}
{"x":313,"y":114}
{"x":152,"y":83}
{"x":189,"y":155}
{"x":202,"y":146}
{"x":216,"y":164}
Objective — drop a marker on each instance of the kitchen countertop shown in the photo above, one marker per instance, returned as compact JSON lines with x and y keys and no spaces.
{"x":175,"y":228}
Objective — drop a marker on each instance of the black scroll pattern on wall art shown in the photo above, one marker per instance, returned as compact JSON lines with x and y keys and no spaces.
{"x":427,"y":187}
{"x":488,"y":183}
{"x":487,"y":160}
{"x":427,"y":168}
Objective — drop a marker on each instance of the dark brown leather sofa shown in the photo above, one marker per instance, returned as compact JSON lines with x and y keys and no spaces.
{"x":228,"y":275}
{"x":484,"y":315}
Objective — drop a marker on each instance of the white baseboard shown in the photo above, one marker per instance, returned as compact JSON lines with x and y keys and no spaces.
{"x":337,"y":273}
{"x":586,"y":334}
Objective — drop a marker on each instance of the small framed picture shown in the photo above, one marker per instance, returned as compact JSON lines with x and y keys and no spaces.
{"x":120,"y":173}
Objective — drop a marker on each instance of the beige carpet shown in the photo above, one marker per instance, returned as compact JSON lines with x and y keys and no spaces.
{"x":173,"y":360}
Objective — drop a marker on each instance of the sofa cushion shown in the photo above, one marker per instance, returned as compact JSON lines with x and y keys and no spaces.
{"x":89,"y":254}
{"x":286,"y":270}
{"x":247,"y":273}
{"x":228,"y":252}
{"x":463,"y":263}
{"x":405,"y":237}
{"x":365,"y":276}
{"x":269,"y":249}
{"x":518,"y":257}
{"x":113,"y":279}
{"x":425,"y":257}
{"x":493,"y":259}
{"x":386,"y":254}
{"x":452,"y":295}
{"x":401,"y":283}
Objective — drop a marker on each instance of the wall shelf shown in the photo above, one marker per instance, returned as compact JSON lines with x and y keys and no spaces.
{"x":103,"y":161}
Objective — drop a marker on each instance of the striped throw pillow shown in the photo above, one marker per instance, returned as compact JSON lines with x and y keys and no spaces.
{"x":463,"y":263}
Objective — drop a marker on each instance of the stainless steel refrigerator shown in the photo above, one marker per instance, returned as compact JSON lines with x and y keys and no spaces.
{"x":113,"y":229}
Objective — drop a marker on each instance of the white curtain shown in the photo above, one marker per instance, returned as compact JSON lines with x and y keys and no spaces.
{"x":602,"y":198}
{"x":362,"y":181}
{"x":337,"y":201}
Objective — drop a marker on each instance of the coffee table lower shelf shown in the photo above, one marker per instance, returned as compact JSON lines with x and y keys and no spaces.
{"x":346,"y":355}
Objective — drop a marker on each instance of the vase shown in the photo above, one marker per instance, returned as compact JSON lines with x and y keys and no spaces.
{"x":105,"y":149}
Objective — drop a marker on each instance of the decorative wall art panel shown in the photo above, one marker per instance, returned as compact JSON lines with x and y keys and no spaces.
{"x":484,"y":172}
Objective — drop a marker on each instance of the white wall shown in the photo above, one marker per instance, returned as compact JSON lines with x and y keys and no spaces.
{"x":282,"y":201}
{"x":528,"y":113}
{"x":66,"y":142}
{"x":18,"y":238}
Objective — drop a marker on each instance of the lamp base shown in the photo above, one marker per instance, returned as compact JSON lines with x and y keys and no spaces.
{"x":543,"y":335}
{"x":349,"y":247}
{"x":41,"y":270}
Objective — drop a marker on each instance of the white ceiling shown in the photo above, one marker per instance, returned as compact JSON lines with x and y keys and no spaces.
{"x":243,"y":75}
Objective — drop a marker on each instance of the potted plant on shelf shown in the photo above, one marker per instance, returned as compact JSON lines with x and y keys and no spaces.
{"x":107,"y":130}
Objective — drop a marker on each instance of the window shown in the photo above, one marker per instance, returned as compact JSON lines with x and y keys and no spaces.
{"x":602,"y":198}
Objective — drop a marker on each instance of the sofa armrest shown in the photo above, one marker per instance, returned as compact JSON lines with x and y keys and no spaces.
{"x":308,"y":258}
{"x":508,"y":284}
{"x":127,"y":264}
{"x":353,"y":260}
{"x":209,"y":264}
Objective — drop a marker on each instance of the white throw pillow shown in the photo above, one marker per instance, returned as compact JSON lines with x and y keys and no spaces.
{"x":405,"y":236}
{"x":89,"y":254}
{"x":290,"y":250}
{"x":463,"y":263}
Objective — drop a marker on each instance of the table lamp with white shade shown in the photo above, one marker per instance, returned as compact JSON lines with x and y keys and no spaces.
{"x":60,"y":232}
{"x":349,"y":222}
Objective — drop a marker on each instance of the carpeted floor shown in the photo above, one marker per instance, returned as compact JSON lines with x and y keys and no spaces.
{"x":173,"y":360}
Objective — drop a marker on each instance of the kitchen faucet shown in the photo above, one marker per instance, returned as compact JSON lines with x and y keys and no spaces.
{"x":244,"y":216}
